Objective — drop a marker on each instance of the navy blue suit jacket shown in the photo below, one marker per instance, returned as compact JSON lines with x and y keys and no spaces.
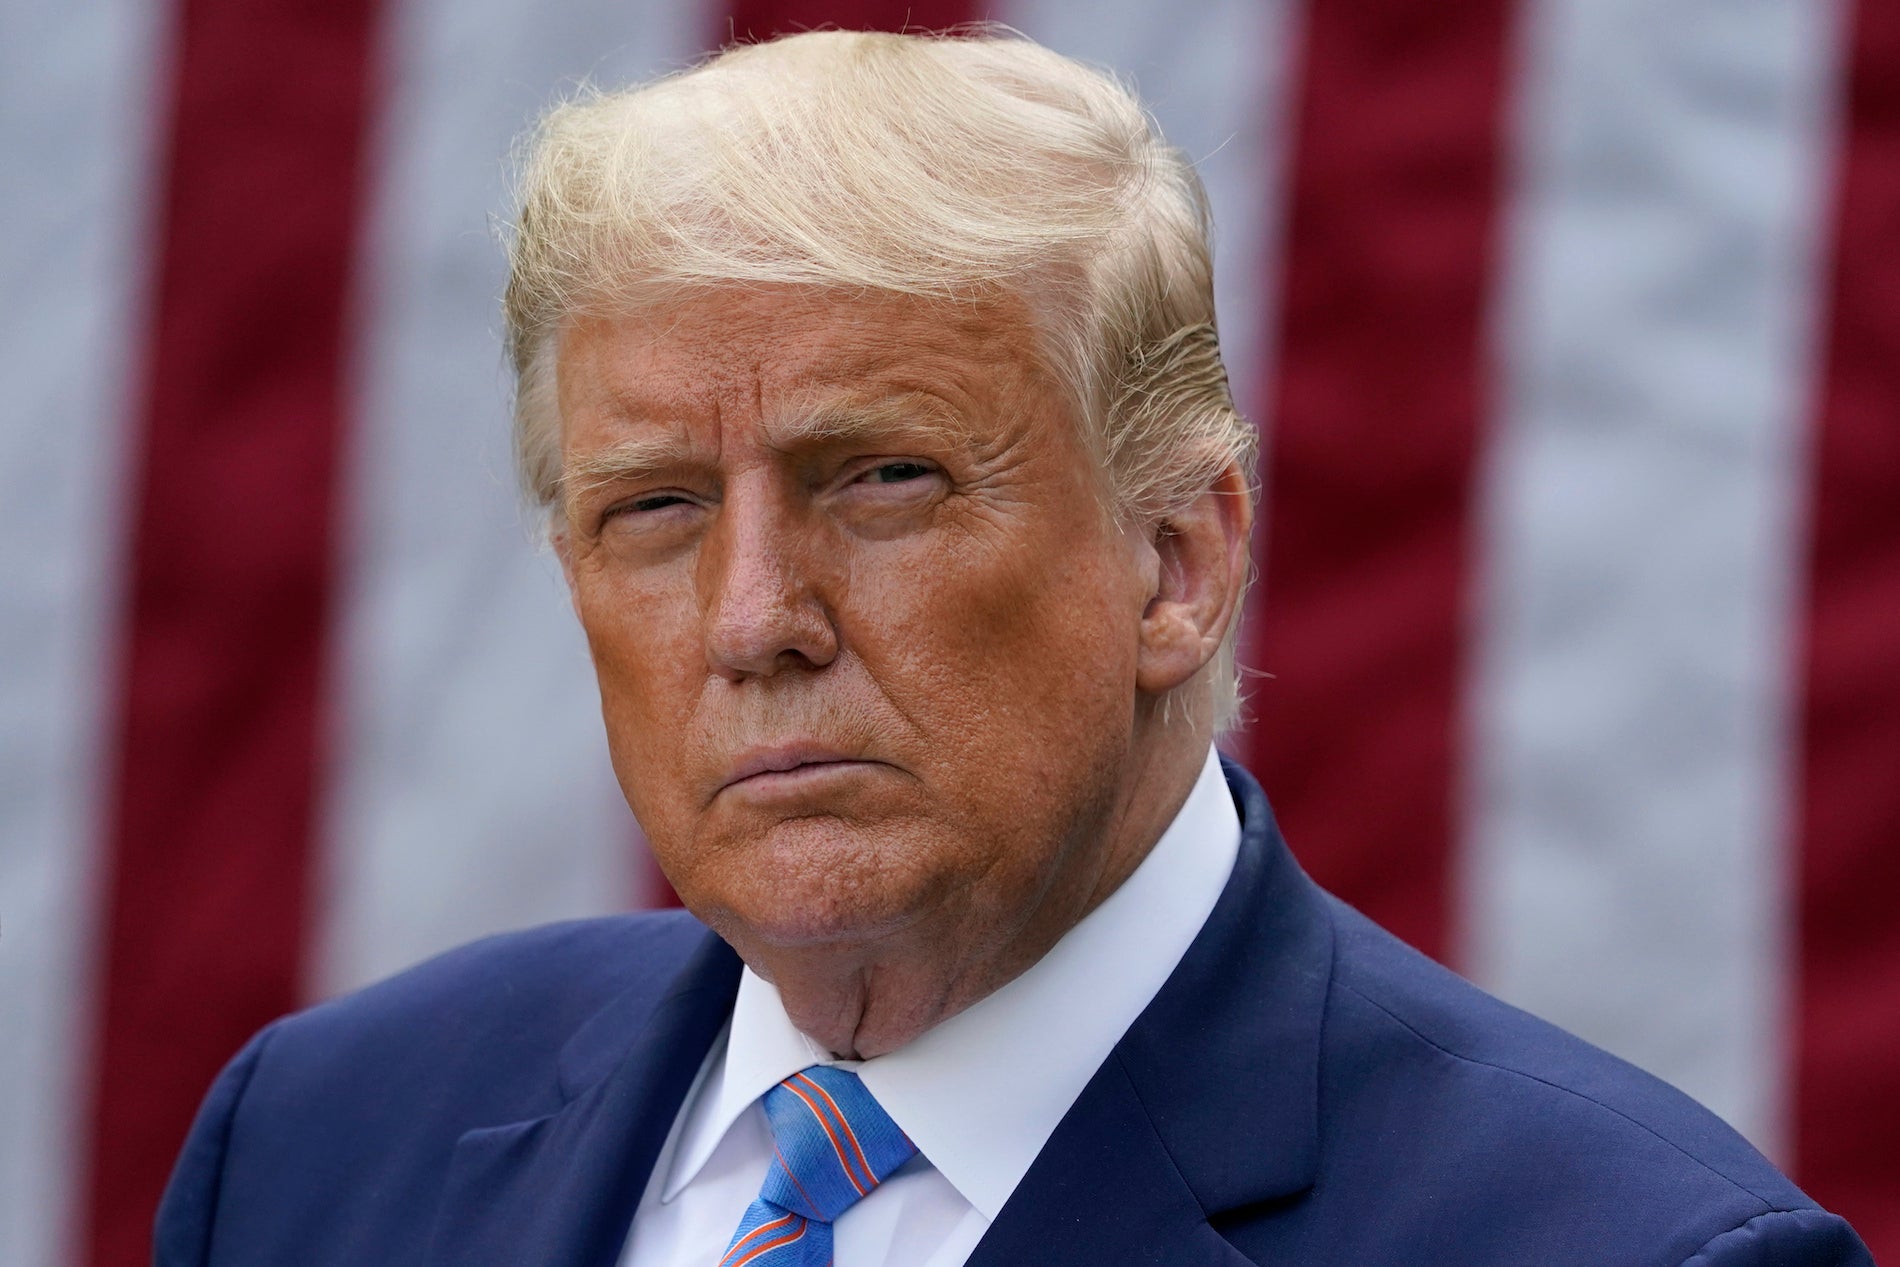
{"x":1304,"y":1090}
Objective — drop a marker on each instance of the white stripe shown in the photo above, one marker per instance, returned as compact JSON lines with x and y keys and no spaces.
{"x":1625,"y":869}
{"x":1217,"y":79}
{"x":472,"y":790}
{"x":76,"y":103}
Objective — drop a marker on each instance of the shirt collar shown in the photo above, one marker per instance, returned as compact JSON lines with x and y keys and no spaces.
{"x":982,"y":1092}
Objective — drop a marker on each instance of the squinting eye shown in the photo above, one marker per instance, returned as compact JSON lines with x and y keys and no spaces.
{"x":659,"y":501}
{"x":897,"y":472}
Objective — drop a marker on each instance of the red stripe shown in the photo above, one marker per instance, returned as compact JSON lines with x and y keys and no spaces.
{"x":1847,"y":1097}
{"x":844,"y":1124}
{"x":769,"y":1246}
{"x":844,"y":1163}
{"x":220,"y":714}
{"x":762,"y":19}
{"x":764,"y":1229}
{"x":1374,"y":428}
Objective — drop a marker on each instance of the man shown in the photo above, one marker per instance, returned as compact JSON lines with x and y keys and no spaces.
{"x":871,"y":386}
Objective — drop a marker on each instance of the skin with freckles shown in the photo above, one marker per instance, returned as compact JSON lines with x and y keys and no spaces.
{"x":881,"y":674}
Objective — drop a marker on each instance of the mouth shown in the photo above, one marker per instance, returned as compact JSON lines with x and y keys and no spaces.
{"x":791,"y":767}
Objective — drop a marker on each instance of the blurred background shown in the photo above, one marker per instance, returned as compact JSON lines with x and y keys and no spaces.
{"x":1572,"y":328}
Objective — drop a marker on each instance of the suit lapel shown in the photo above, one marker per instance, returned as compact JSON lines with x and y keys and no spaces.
{"x":1210,"y":1102}
{"x":1104,"y":1190}
{"x":560,"y":1190}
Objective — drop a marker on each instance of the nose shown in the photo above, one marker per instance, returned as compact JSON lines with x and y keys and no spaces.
{"x":762,"y":607}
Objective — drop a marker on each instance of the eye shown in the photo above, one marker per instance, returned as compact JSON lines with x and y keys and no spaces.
{"x":638,"y":508}
{"x":896,"y":473}
{"x":656,"y":501}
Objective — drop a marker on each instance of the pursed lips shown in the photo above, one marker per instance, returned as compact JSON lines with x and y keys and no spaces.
{"x":787,"y":763}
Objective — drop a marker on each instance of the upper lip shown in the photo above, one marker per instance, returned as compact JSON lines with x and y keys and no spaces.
{"x":778,"y":757}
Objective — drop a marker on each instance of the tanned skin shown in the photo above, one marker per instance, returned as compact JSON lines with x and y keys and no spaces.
{"x":895,"y":696}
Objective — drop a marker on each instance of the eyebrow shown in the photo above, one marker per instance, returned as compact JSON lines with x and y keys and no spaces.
{"x":624,"y":460}
{"x":907,"y":415}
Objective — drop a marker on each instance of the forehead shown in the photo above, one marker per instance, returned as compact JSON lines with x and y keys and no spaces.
{"x":795,"y":357}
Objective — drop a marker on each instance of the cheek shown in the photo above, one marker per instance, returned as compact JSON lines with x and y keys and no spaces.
{"x":632,"y":628}
{"x":650,"y":666}
{"x":1010,"y":645}
{"x":1016,"y":675}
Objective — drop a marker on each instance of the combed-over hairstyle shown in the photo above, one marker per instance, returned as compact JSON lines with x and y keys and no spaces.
{"x":952,"y":167}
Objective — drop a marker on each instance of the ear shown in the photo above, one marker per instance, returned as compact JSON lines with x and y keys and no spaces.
{"x":1203,"y":551}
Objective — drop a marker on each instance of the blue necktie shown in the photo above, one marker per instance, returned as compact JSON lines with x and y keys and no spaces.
{"x":831,"y":1144}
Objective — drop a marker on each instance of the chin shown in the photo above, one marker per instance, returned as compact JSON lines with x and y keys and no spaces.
{"x":814,"y":882}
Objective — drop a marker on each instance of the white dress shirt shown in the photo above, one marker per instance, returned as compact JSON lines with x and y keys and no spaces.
{"x":980,"y":1093}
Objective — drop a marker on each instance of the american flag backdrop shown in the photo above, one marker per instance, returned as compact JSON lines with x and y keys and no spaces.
{"x":1573,"y":330}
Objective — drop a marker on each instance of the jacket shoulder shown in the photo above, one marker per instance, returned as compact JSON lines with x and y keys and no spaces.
{"x":334,"y":1125}
{"x":549,"y":971}
{"x":1512,"y":1117}
{"x":491,"y":1013}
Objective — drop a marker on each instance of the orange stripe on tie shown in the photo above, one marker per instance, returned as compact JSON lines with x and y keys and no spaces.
{"x":754,"y":1234}
{"x":769,"y":1246}
{"x":844,"y":1163}
{"x":844,"y":1122}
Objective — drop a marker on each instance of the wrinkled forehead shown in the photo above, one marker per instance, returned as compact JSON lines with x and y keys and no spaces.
{"x":797,"y":380}
{"x":802,"y":364}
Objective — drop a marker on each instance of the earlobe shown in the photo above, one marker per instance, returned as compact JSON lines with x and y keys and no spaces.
{"x":1203,"y":556}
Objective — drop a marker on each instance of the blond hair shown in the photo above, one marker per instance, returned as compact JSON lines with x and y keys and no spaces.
{"x":948,"y":167}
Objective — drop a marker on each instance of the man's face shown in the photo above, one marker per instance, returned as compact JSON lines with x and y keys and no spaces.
{"x":866,"y":635}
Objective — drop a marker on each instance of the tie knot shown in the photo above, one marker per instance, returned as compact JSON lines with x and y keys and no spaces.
{"x":833,"y":1143}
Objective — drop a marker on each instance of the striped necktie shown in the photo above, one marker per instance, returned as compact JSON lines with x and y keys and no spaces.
{"x":831,"y":1144}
